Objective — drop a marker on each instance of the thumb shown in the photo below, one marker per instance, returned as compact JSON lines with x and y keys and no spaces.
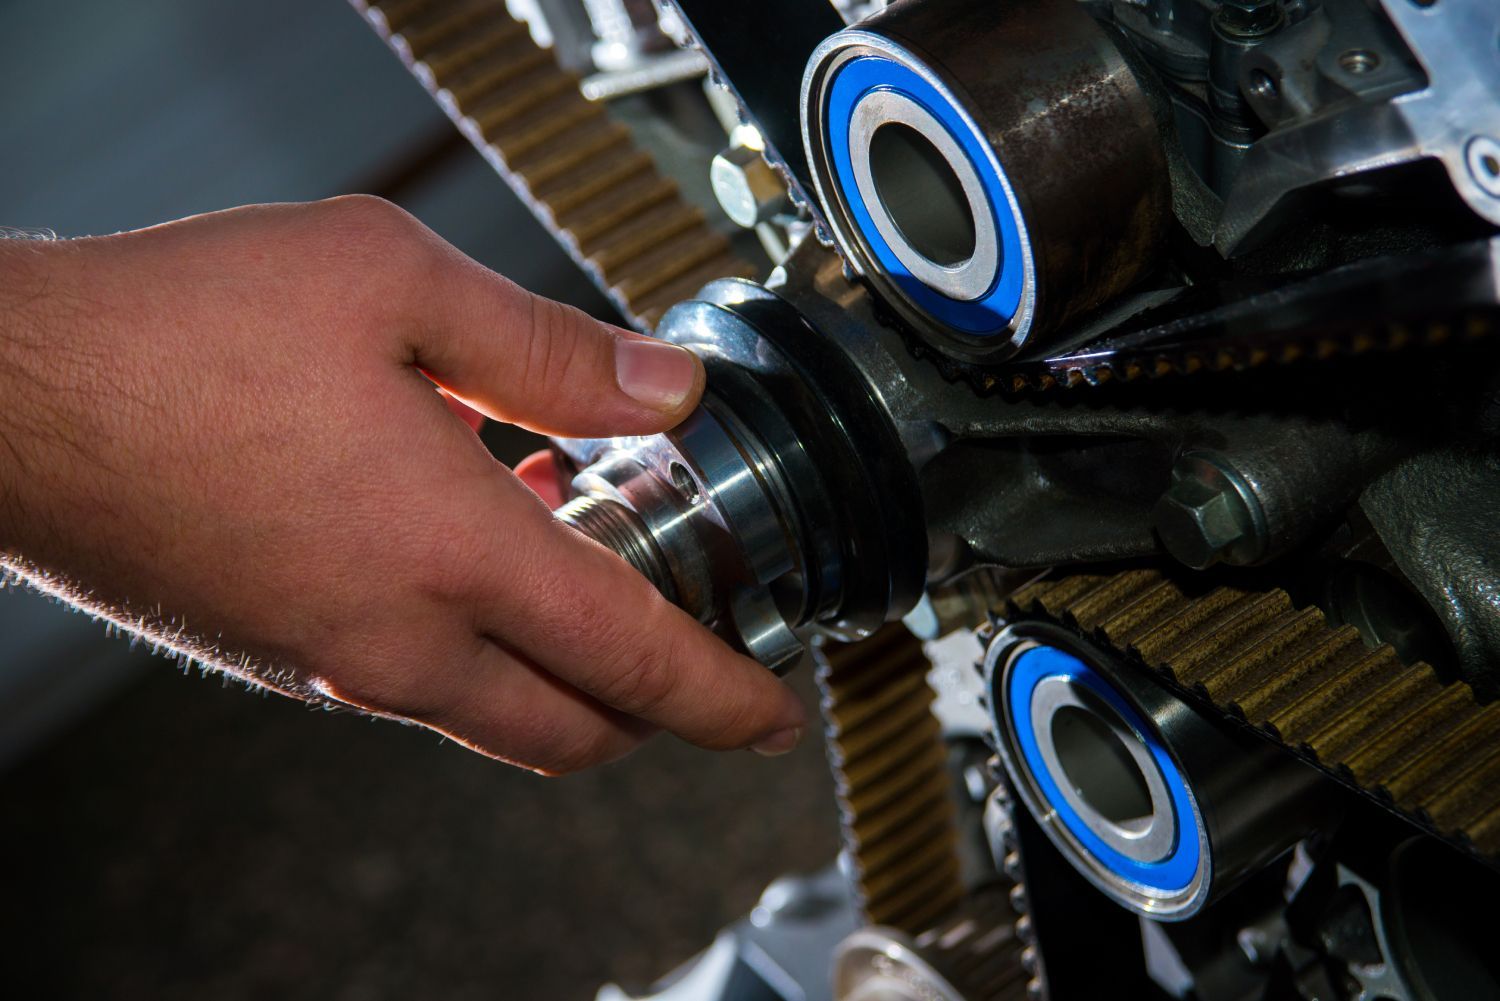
{"x":526,"y":360}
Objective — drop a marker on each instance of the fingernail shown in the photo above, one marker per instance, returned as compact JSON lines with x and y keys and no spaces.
{"x":778,"y":743}
{"x":655,"y":373}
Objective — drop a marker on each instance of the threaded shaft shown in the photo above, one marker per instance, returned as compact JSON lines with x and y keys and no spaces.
{"x":620,"y":529}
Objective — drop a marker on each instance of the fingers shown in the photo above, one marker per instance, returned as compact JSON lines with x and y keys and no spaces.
{"x":583,"y":614}
{"x":526,"y":360}
{"x":522,"y":715}
{"x":499,"y":705}
{"x":539,"y":472}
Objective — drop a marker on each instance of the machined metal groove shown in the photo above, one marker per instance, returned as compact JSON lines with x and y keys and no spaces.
{"x":893,"y":785}
{"x":620,"y":530}
{"x":624,"y":222}
{"x":1391,"y":729}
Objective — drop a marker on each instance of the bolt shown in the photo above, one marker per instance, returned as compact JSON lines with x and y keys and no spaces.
{"x":747,"y":188}
{"x":1248,"y":18}
{"x":1209,"y":514}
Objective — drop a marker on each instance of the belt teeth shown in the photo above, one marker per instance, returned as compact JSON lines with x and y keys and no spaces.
{"x":441,"y":23}
{"x":1334,"y":656}
{"x":1468,"y":800}
{"x":666,"y":261}
{"x":888,"y":773}
{"x":871,"y":829}
{"x":591,"y":144}
{"x":592,"y":221}
{"x":473,"y":87}
{"x":896,"y":807}
{"x":543,"y":125}
{"x":1165,"y":639}
{"x":1420,"y":774}
{"x":1227,"y":634}
{"x":398,"y":14}
{"x":1106,"y":594}
{"x":1242,"y":667}
{"x":610,"y":175}
{"x":1371,"y":714}
{"x":488,"y":88}
{"x":603,"y":198}
{"x":726,"y":265}
{"x":905,"y":840}
{"x":1154,"y":604}
{"x":916,"y":902}
{"x":476,"y":48}
{"x":649,"y":229}
{"x":1452,"y":708}
{"x":1392,"y":728}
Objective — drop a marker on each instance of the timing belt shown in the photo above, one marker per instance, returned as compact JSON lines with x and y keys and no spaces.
{"x":578,"y":170}
{"x":1392,"y":730}
{"x":899,"y":820}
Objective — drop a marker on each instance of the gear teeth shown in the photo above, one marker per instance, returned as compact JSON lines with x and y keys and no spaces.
{"x":893,"y":787}
{"x":1394,"y":730}
{"x":625,"y":223}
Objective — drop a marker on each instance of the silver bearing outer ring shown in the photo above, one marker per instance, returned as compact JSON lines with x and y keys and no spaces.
{"x":1143,"y":842}
{"x":968,"y":280}
{"x":822,"y":67}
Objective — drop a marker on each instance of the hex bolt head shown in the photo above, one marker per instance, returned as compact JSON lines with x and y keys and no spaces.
{"x":747,"y":188}
{"x":1209,"y":514}
{"x":1248,"y":18}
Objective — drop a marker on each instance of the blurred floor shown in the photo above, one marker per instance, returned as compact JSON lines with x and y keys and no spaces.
{"x":167,"y":836}
{"x":194,"y":841}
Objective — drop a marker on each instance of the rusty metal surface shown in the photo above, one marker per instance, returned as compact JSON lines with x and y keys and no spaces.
{"x":1390,"y":729}
{"x":579,"y":171}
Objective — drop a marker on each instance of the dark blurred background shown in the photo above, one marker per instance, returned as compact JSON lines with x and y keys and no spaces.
{"x":168,"y":835}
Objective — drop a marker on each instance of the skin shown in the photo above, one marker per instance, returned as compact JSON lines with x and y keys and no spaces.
{"x":218,"y":434}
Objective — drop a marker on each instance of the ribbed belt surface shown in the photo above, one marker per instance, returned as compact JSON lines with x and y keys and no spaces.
{"x":1392,"y":729}
{"x":579,"y":171}
{"x":893,"y":785}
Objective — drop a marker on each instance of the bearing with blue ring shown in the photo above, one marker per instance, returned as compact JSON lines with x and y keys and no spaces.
{"x":1176,"y":872}
{"x":997,"y":311}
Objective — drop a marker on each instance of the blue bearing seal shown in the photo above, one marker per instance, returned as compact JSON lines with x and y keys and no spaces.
{"x":989,"y":315}
{"x":1169,"y":875}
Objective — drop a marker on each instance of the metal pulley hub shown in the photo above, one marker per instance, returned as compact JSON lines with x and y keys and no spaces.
{"x":991,"y":173}
{"x":784,"y":501}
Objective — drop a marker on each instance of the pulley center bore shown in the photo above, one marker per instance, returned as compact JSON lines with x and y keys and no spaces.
{"x":922,"y":194}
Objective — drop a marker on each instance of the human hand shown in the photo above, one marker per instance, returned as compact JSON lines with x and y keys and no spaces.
{"x":217,"y":433}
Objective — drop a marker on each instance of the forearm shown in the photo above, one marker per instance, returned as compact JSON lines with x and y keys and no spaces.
{"x":26,"y":268}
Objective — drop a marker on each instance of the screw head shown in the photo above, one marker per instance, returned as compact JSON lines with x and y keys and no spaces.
{"x":746,"y":187}
{"x":1208,"y":514}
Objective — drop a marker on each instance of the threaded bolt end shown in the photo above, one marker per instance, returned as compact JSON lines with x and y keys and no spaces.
{"x":621,"y":530}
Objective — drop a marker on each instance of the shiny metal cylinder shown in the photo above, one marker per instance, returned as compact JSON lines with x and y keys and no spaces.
{"x":992,"y":171}
{"x":1158,"y":806}
{"x":783,"y":503}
